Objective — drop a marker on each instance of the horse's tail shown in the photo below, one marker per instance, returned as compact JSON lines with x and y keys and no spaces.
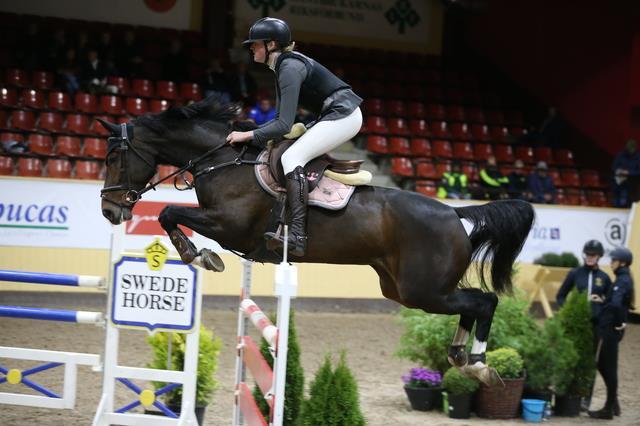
{"x":500,"y":229}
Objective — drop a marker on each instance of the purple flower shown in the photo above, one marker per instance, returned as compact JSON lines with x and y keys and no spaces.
{"x":423,"y":378}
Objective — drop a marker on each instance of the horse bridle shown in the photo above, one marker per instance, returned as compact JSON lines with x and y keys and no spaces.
{"x":131,"y":195}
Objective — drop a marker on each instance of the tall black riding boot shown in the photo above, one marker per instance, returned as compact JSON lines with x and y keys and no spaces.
{"x":297,"y":197}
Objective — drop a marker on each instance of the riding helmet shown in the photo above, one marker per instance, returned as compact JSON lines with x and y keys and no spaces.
{"x":593,"y":247}
{"x":266,"y":29}
{"x":621,"y":254}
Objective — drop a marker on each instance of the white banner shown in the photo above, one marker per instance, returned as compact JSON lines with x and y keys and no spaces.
{"x":393,"y":24}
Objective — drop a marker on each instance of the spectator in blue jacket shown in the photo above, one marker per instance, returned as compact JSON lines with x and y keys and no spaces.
{"x":541,"y":185}
{"x":626,"y":170}
{"x":262,"y":112}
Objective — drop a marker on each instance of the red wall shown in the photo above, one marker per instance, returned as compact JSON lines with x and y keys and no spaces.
{"x":578,"y":56}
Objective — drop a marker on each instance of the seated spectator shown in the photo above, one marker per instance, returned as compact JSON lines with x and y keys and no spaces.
{"x":174,"y":64}
{"x":518,"y":183}
{"x":93,"y":73}
{"x":626,"y":171}
{"x":243,"y":85}
{"x":262,"y":112}
{"x":492,"y":182}
{"x":67,"y":70}
{"x":541,"y":185}
{"x":216,"y":82}
{"x":454,"y":184}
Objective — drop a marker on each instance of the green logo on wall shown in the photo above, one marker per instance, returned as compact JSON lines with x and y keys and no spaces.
{"x":401,"y":15}
{"x":276,"y":5}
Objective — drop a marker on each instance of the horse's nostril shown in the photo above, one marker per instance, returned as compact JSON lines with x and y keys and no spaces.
{"x":108,"y":214}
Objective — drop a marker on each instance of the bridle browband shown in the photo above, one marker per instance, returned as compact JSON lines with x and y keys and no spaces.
{"x":131,"y":195}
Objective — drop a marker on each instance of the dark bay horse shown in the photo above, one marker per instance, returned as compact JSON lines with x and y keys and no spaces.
{"x":418,"y":246}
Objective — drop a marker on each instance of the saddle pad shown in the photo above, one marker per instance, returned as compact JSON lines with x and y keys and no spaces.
{"x":328,"y":194}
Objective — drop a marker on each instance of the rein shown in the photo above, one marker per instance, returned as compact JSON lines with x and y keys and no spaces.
{"x":131,"y":195}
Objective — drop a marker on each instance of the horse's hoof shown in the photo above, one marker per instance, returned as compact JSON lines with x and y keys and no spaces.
{"x":487,"y":375}
{"x":457,"y":356}
{"x":210,"y":260}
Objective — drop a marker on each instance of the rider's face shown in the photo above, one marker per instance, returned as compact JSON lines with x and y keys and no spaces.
{"x":259,"y":52}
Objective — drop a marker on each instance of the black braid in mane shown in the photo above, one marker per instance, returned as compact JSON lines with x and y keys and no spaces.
{"x":209,"y":112}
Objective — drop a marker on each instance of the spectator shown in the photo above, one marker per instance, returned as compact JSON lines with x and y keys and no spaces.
{"x":518,"y":183}
{"x":128,"y":59}
{"x":67,"y":70}
{"x":454,"y":184}
{"x":626,"y":170}
{"x":262,"y":112}
{"x":216,"y":82}
{"x":93,"y":73}
{"x":492,"y":181}
{"x":541,"y":185}
{"x":243,"y":85}
{"x":174,"y":64}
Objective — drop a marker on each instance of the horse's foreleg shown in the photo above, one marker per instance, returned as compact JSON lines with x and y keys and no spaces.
{"x":170,"y":218}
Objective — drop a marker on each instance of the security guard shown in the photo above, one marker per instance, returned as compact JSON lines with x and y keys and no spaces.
{"x":454,"y":184}
{"x":612,"y":321}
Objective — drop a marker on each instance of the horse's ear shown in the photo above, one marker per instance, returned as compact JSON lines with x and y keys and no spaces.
{"x":111,"y":127}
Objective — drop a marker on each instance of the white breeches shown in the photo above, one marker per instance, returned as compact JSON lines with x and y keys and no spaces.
{"x":320,"y":139}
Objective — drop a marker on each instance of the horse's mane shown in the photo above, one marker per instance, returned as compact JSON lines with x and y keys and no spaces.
{"x":211,"y":111}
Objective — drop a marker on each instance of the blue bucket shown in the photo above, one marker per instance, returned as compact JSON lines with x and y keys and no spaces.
{"x":533,"y":410}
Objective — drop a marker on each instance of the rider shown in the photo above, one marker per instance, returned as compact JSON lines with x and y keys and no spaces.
{"x":300,"y":79}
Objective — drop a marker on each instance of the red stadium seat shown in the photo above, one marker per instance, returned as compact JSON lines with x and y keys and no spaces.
{"x":32,"y":98}
{"x":475,"y":115}
{"x":426,"y":169}
{"x":563,"y":157}
{"x":95,"y":128}
{"x":88,"y":169}
{"x":377,"y":144}
{"x":480,"y":132}
{"x":436,"y":112}
{"x":68,"y":146}
{"x":23,"y":120}
{"x":517,"y":131}
{"x":158,"y":105}
{"x":42,"y":80}
{"x":555,"y":176}
{"x":576,"y":197}
{"x":442,"y":149}
{"x":95,"y":148}
{"x":50,"y":121}
{"x":8,"y":97}
{"x":499,"y":134}
{"x":3,"y":119}
{"x":426,"y":187}
{"x":543,"y":153}
{"x":419,"y":128}
{"x":60,"y":101}
{"x":399,"y":146}
{"x":420,"y":147}
{"x":166,"y":89}
{"x":525,"y":153}
{"x":121,"y":83}
{"x":59,"y":168}
{"x":597,"y":198}
{"x":570,"y":177}
{"x":395,"y":108}
{"x":28,"y":166}
{"x":190,"y":91}
{"x":86,"y":102}
{"x":401,"y":166}
{"x":376,"y":125}
{"x":111,"y":104}
{"x":136,"y":106}
{"x":471,"y":170}
{"x":460,"y":131}
{"x":442,"y":167}
{"x":8,"y":136}
{"x":78,"y":124}
{"x":455,"y":113}
{"x":503,"y":153}
{"x":6,"y":165}
{"x":141,"y":87}
{"x":40,"y":144}
{"x":374,"y":106}
{"x":439,"y":129}
{"x":591,"y":179}
{"x":482,"y":151}
{"x":463,"y":151}
{"x":17,"y":77}
{"x":417,"y":110}
{"x":561,"y":197}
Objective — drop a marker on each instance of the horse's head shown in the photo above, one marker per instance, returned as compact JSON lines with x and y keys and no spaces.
{"x":129,"y":167}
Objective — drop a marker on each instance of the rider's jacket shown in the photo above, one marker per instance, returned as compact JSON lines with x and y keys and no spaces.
{"x":588,"y":281}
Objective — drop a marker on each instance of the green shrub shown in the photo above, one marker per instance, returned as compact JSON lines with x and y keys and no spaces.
{"x":294,"y":389}
{"x":575,"y":320}
{"x":507,"y":362}
{"x":565,"y":260}
{"x":209,"y":347}
{"x":512,"y":324}
{"x":333,"y":397}
{"x":457,"y":383}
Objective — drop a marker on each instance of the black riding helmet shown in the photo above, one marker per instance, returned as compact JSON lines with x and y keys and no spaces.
{"x":622,"y":254}
{"x":593,"y":247}
{"x":266,"y":29}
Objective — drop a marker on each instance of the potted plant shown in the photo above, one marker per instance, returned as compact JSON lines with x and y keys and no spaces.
{"x":576,"y":383}
{"x":502,"y":402}
{"x":209,"y":348}
{"x":423,"y":389}
{"x":459,"y":390}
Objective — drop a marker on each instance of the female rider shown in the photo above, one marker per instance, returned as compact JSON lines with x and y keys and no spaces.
{"x":300,"y":79}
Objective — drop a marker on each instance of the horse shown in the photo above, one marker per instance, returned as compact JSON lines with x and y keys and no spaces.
{"x":418,"y":246}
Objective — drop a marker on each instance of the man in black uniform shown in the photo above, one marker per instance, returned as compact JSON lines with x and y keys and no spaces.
{"x":612,"y":320}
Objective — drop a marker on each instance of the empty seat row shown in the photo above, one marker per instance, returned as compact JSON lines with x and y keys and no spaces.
{"x":53,"y":167}
{"x":441,"y":129}
{"x":61,"y":145}
{"x":53,"y":122}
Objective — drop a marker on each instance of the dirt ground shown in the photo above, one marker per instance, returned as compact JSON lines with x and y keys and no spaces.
{"x":370,"y":341}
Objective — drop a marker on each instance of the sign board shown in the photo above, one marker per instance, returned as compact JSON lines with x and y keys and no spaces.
{"x":154,"y":292}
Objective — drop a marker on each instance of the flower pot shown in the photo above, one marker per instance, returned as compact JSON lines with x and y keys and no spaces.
{"x":424,"y":399}
{"x":500,"y":402}
{"x":567,"y":406}
{"x":458,"y":406}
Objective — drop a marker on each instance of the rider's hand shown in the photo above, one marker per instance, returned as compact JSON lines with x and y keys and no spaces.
{"x":596,"y":298}
{"x":239,"y":137}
